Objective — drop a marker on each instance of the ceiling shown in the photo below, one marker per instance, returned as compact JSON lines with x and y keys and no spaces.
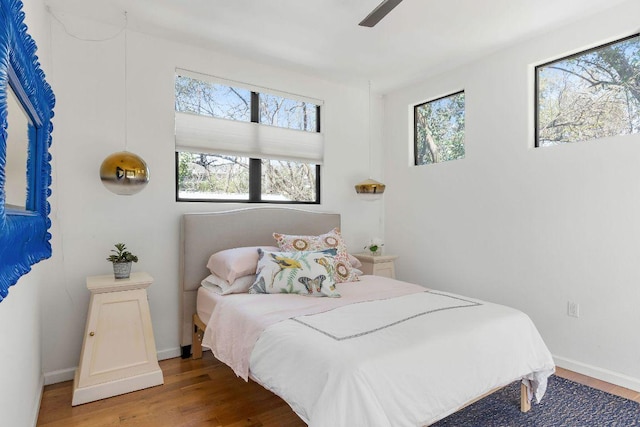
{"x":322,"y":37}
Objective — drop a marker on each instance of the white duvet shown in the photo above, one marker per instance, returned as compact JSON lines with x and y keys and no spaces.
{"x":404,"y":361}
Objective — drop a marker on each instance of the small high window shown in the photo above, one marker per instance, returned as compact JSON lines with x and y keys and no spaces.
{"x":439,"y":130}
{"x":244,"y":144}
{"x":589,"y":95}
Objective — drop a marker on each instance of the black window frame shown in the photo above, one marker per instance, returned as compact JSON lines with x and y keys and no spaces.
{"x":255,"y":170}
{"x":536,"y":99}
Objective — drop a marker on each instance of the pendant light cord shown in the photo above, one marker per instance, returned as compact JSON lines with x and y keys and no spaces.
{"x":369,"y":129}
{"x":126,"y":127}
{"x":64,"y":27}
{"x":120,"y":31}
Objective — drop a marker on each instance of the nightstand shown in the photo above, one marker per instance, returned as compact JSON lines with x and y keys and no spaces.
{"x":378,"y":265}
{"x":118,"y":351}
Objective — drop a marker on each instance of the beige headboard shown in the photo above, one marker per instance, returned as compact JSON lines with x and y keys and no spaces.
{"x":202,"y":234}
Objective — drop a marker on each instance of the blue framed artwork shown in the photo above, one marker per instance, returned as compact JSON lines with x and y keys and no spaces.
{"x":26,"y":110}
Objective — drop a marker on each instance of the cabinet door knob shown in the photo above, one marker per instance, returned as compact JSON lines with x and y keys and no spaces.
{"x":91,"y":334}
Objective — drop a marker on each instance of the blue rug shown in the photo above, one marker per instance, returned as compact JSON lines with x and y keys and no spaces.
{"x":566,"y":404}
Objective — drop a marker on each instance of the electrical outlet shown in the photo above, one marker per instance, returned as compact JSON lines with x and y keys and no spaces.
{"x":573,"y":309}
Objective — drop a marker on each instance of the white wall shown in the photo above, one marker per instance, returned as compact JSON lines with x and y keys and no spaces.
{"x":89,"y":125}
{"x":531,"y":228}
{"x":21,"y":377}
{"x":20,"y":352}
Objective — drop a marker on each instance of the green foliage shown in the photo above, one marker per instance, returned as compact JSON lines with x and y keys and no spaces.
{"x":121,"y":254}
{"x":439,"y":129}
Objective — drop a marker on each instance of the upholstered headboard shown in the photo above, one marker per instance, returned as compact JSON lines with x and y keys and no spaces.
{"x":202,"y":234}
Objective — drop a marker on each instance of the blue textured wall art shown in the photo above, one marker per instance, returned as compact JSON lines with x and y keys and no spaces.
{"x":24,"y":232}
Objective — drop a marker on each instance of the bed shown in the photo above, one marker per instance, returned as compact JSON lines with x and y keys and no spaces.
{"x":386,"y":353}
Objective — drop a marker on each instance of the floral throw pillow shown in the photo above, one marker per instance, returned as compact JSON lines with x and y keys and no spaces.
{"x":331,"y":240}
{"x":300,"y":272}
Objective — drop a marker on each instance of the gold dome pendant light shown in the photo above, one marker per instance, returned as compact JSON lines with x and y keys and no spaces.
{"x":124,"y":173}
{"x":370,"y":186}
{"x":370,"y":189}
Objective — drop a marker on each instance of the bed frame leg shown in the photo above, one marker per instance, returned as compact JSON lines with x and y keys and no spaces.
{"x":185,"y":352}
{"x":197,"y":334}
{"x":525,"y":403}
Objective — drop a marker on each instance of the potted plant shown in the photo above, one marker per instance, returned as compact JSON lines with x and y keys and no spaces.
{"x":121,"y":260}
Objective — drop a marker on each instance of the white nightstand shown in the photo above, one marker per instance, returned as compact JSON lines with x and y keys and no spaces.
{"x":378,"y":265}
{"x":118,"y":352}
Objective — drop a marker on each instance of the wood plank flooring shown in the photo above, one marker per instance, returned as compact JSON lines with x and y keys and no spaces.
{"x":201,"y":393}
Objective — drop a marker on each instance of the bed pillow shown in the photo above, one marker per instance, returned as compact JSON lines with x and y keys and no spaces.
{"x":355,"y":262}
{"x":309,"y":273}
{"x":237,"y":262}
{"x":220,"y":286}
{"x":330,"y":240}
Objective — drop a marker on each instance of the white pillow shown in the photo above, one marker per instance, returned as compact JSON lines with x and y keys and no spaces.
{"x":220,"y":286}
{"x":355,"y":262}
{"x":233,"y":263}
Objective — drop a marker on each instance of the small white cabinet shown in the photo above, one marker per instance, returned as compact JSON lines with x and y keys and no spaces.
{"x":119,"y":351}
{"x":378,"y":265}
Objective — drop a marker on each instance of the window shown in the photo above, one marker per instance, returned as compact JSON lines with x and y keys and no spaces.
{"x":589,"y":95}
{"x":243,"y":144}
{"x":439,"y":130}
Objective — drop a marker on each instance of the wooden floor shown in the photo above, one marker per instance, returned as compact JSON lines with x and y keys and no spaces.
{"x":201,"y":393}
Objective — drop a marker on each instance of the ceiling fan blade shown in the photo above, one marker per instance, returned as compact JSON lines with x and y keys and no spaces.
{"x":379,"y":12}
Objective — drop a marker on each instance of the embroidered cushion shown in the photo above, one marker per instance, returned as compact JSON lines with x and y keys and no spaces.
{"x":331,"y":240}
{"x":300,"y":272}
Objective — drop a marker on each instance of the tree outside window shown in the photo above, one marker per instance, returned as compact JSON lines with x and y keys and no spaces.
{"x":439,"y":130}
{"x":590,"y":95}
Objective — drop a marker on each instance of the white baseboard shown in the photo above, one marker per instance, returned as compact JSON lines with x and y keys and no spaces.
{"x":598,"y":373}
{"x":169,"y":353}
{"x":68,"y":374}
{"x":59,"y":376}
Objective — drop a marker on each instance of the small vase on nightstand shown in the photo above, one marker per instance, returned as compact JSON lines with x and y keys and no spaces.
{"x":374,"y":247}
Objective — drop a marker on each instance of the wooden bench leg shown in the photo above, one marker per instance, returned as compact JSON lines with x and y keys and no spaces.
{"x":197,"y":335}
{"x":525,"y":403}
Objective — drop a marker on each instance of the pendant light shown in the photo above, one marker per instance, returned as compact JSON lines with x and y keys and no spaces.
{"x":124,"y":173}
{"x":370,"y":189}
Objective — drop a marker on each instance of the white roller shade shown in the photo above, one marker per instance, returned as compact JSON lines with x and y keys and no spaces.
{"x":204,"y":134}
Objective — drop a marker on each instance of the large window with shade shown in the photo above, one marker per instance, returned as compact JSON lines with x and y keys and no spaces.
{"x":241,"y":143}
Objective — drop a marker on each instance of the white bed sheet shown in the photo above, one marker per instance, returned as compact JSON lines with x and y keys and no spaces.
{"x":238,"y":320}
{"x":403,"y":361}
{"x":206,"y":302}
